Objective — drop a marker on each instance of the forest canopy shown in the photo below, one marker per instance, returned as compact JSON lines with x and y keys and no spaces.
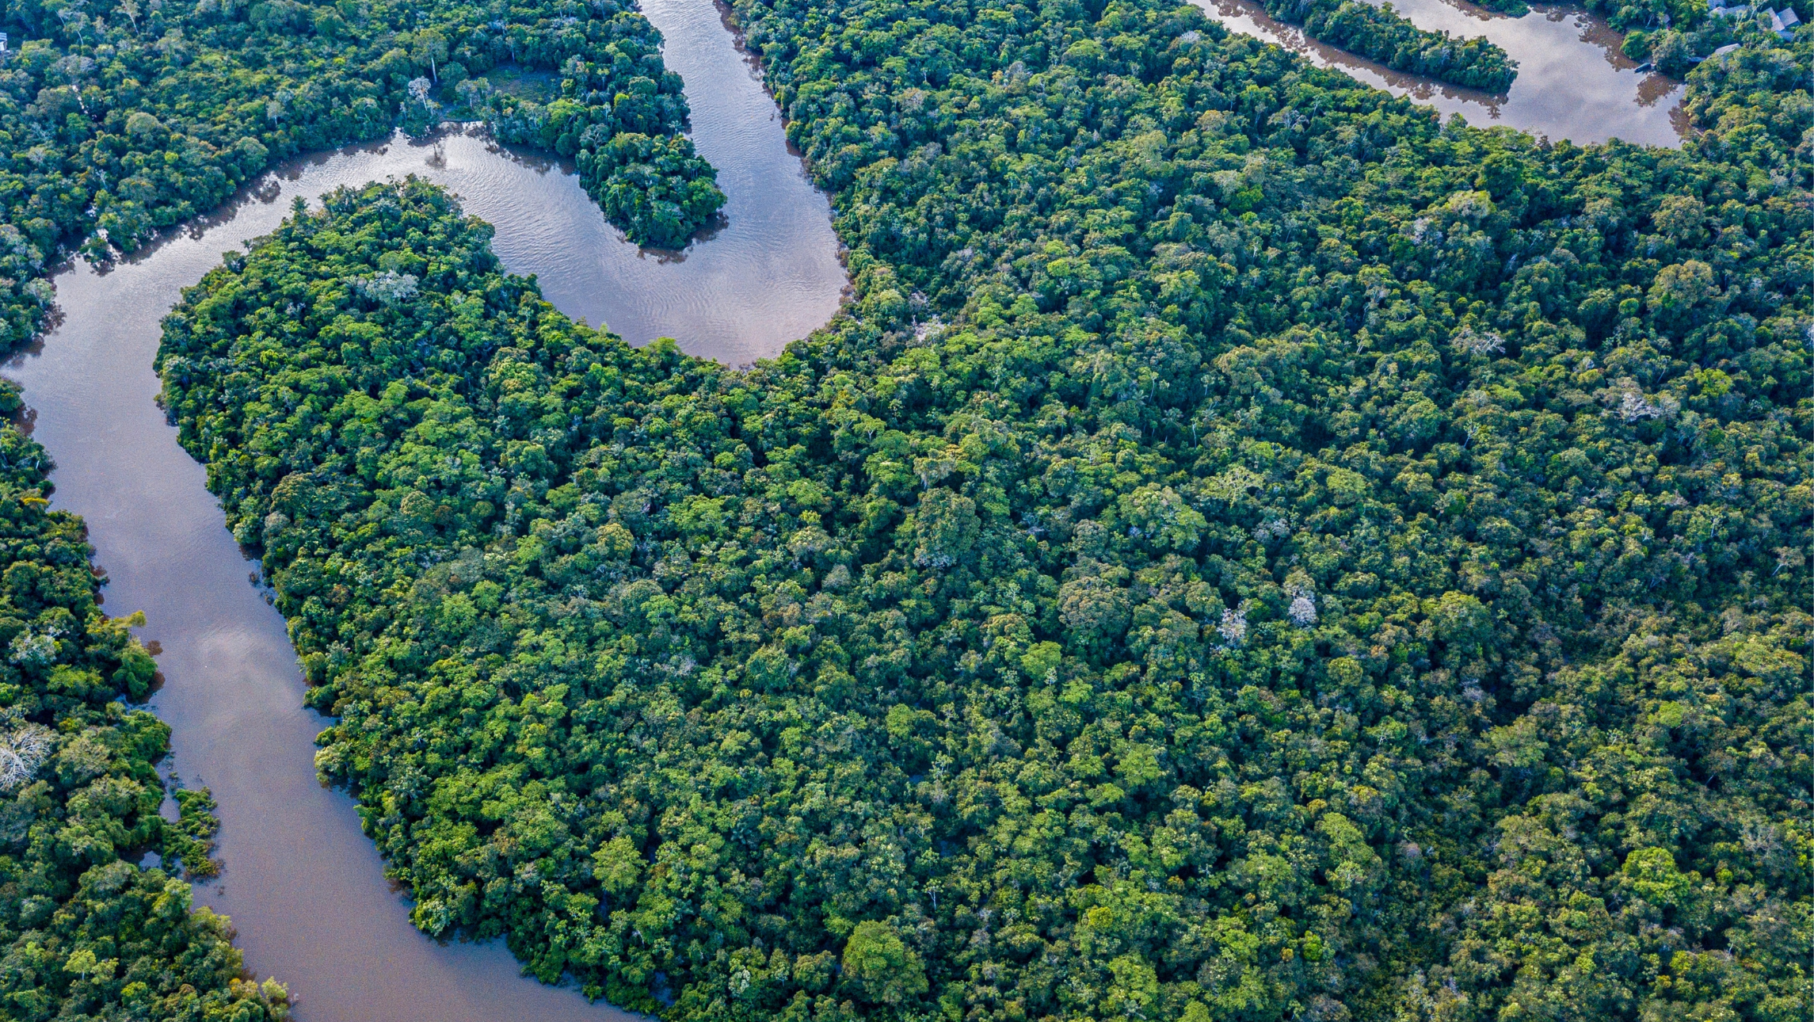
{"x":120,"y":119}
{"x":1248,"y":550}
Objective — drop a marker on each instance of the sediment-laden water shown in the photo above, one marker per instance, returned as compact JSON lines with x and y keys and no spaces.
{"x":305,"y":889}
{"x":1573,"y":81}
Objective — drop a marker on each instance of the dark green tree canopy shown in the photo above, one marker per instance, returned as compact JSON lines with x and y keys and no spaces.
{"x":1247,"y":551}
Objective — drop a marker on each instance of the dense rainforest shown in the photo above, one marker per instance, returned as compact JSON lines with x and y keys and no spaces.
{"x":121,"y":118}
{"x":1382,"y":34}
{"x":1677,"y":34}
{"x":86,"y":932}
{"x":1248,"y":550}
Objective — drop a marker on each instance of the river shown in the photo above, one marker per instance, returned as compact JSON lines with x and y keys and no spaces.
{"x":305,"y":889}
{"x":1573,"y":81}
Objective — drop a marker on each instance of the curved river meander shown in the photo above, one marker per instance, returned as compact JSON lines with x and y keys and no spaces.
{"x":303,"y":886}
{"x":1573,"y":82}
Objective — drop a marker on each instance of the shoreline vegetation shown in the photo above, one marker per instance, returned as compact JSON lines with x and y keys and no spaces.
{"x":120,"y":119}
{"x":1248,"y":549}
{"x":87,"y":932}
{"x":1382,"y":34}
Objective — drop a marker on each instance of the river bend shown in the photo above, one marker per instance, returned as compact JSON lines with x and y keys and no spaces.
{"x":304,"y":888}
{"x":1573,"y":81}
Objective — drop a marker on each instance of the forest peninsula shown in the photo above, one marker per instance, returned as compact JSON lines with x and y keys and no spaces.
{"x":1247,"y":549}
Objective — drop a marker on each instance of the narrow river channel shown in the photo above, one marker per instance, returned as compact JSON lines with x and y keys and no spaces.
{"x":1573,"y":81}
{"x":303,"y":886}
{"x":305,"y":889}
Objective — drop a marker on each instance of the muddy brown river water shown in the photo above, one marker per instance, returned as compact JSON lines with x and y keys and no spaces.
{"x":1573,"y":81}
{"x":305,"y":889}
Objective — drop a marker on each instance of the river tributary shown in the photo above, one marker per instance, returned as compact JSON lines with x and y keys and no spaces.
{"x":1573,"y":81}
{"x":304,"y":888}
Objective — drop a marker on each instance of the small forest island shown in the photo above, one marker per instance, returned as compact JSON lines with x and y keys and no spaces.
{"x":1248,"y":549}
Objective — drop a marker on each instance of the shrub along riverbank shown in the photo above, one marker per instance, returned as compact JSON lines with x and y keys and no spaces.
{"x":1248,"y":550}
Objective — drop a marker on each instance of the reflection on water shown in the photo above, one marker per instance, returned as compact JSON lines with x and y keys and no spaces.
{"x":1573,"y":81}
{"x":305,"y":889}
{"x":769,"y":275}
{"x":303,"y":886}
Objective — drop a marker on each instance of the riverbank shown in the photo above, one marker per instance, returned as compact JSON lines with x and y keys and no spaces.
{"x":304,"y":886}
{"x":1574,"y":82}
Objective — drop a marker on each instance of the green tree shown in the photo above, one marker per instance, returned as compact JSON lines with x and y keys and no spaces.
{"x":882,"y":966}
